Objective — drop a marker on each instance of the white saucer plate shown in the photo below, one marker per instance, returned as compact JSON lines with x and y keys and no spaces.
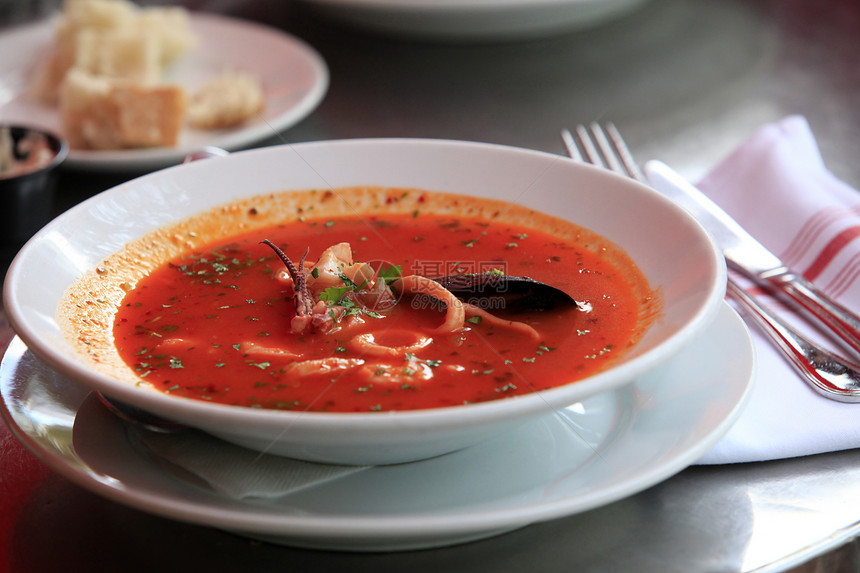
{"x":603,"y":449}
{"x":473,"y":20}
{"x":294,"y":76}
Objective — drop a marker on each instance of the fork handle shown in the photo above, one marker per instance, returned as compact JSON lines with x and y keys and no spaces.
{"x":823,"y":371}
{"x":839,"y":319}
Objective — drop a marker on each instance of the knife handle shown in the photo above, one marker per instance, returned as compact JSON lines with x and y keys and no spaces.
{"x":840,"y":320}
{"x":823,"y":371}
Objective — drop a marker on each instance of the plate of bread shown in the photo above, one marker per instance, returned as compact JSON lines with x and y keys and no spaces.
{"x":138,"y":88}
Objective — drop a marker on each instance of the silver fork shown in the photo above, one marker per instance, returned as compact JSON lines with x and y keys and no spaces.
{"x":828,"y":374}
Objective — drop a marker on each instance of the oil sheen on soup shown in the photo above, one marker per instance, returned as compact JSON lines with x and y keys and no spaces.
{"x":338,"y":314}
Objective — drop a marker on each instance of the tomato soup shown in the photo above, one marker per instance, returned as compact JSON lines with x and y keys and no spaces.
{"x":222,"y":322}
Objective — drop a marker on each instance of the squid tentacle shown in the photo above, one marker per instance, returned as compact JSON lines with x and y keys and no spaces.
{"x":303,"y":295}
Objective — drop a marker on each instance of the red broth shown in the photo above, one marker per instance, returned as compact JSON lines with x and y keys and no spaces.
{"x":214,"y":324}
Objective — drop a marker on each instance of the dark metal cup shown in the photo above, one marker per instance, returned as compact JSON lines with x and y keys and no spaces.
{"x":27,"y":195}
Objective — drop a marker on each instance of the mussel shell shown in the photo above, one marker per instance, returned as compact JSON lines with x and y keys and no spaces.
{"x":506,"y":293}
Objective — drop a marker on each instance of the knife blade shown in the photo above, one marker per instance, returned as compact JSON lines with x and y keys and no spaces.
{"x":747,"y":256}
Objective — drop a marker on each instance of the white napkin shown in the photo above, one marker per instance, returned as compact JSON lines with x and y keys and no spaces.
{"x":777,"y":187}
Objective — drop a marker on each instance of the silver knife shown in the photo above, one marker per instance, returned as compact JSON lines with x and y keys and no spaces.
{"x":747,"y":256}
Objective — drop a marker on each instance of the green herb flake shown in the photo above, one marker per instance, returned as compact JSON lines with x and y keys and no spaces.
{"x":474,"y":319}
{"x":390,"y":274}
{"x":333,"y":295}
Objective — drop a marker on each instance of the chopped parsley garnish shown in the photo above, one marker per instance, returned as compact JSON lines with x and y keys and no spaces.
{"x":391,"y":273}
{"x":333,"y":295}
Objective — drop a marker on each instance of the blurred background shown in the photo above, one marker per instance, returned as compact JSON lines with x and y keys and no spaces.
{"x":685,"y":80}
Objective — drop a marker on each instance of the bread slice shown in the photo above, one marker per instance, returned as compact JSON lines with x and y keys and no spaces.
{"x":171,"y":30}
{"x":228,"y":100}
{"x":103,"y":113}
{"x":150,"y":116}
{"x":132,"y":55}
{"x":113,"y":38}
{"x":102,"y":14}
{"x":89,"y":115}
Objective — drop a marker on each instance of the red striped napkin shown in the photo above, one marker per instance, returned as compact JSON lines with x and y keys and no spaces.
{"x":777,"y":187}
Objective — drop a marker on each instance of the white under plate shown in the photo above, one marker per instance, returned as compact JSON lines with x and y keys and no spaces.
{"x":590,"y":454}
{"x":294,"y":77}
{"x":470,"y":20}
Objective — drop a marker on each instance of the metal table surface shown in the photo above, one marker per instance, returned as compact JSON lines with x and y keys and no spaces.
{"x":686,"y":81}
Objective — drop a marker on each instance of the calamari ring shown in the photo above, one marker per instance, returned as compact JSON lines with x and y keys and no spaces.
{"x":322,"y":366}
{"x":366,"y":344}
{"x":418,"y":285}
{"x":493,"y":320}
{"x":410,"y":372}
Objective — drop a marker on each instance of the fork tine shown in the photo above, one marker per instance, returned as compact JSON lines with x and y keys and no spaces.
{"x":570,"y":145}
{"x":623,"y":152}
{"x":603,"y":147}
{"x":580,"y":146}
{"x":589,"y":150}
{"x":610,"y":157}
